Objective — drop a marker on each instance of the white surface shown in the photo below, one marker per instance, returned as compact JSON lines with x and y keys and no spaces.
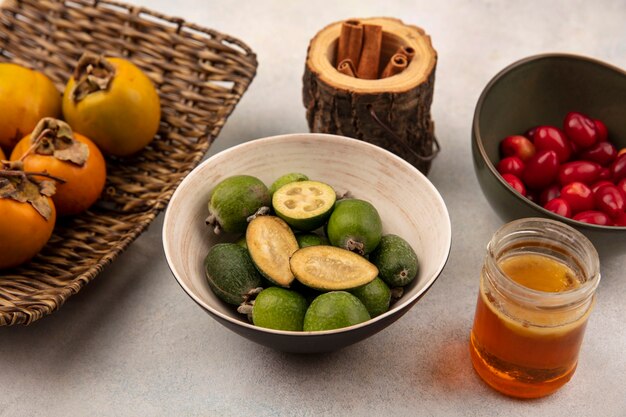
{"x":133,"y":343}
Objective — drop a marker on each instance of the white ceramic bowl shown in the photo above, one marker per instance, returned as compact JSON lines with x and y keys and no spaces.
{"x":408,"y":203}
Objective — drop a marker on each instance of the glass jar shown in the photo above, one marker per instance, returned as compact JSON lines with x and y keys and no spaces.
{"x":537,"y":289}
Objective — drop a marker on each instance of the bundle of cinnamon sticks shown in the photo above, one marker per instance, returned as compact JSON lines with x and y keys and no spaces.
{"x":359,"y":50}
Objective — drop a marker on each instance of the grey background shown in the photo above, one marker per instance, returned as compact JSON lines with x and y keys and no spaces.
{"x":132,"y":343}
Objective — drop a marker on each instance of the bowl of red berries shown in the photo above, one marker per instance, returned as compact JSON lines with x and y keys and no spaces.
{"x":549,"y":140}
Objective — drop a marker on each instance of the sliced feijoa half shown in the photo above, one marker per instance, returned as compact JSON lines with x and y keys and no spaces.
{"x":233,"y":200}
{"x":230,"y":272}
{"x":286,"y":179}
{"x":330,"y":268}
{"x":271,"y":243}
{"x":304,"y":205}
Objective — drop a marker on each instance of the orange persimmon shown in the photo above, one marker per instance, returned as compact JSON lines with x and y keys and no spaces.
{"x":83,"y":183}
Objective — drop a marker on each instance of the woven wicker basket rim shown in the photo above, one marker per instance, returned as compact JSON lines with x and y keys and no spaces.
{"x":200,"y":74}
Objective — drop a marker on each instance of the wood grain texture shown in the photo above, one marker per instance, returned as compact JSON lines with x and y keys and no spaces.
{"x":338,"y":104}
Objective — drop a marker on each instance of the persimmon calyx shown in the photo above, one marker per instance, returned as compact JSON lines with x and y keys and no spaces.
{"x":92,"y":73}
{"x":25,"y":188}
{"x":55,"y":137}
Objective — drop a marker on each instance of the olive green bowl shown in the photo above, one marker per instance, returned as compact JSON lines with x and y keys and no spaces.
{"x":409,"y":205}
{"x":541,"y":90}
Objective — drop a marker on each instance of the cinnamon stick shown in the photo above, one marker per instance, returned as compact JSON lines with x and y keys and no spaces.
{"x":346,"y":67}
{"x":350,"y":42}
{"x":370,"y":54}
{"x":408,"y":51}
{"x":396,"y":65}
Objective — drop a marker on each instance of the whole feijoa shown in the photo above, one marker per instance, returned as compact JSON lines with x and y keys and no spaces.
{"x":334,"y":310}
{"x":310,"y":239}
{"x":280,"y":309}
{"x":396,"y":261}
{"x":230,"y":272}
{"x":375,"y":296}
{"x":235,"y":199}
{"x":286,"y":179}
{"x":354,"y":225}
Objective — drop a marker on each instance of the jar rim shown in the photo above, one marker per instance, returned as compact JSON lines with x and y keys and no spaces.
{"x":535,"y":227}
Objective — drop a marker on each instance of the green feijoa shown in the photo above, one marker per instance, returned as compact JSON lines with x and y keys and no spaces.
{"x":242,"y":242}
{"x":279,"y":309}
{"x":354,"y":225}
{"x":230,"y":272}
{"x":334,"y":310}
{"x":304,"y":205}
{"x":375,"y":296}
{"x":396,"y":261}
{"x":235,"y":199}
{"x":270,"y":244}
{"x":286,"y":179}
{"x":310,"y":239}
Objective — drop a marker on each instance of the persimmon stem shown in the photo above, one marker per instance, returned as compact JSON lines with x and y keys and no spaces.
{"x":36,"y":143}
{"x":14,"y":173}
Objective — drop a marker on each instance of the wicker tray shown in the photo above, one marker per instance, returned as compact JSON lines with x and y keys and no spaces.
{"x":200,"y":75}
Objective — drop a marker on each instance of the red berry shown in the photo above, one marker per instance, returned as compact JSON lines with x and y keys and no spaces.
{"x":601,"y":130}
{"x":551,"y":138}
{"x":559,"y":206}
{"x":517,"y":146}
{"x":602,"y":153}
{"x":594,"y":217}
{"x":530,"y":133}
{"x":596,"y":186}
{"x":605,"y":174}
{"x":515,"y":182}
{"x":553,"y":191}
{"x":541,"y":170}
{"x":621,"y":152}
{"x":610,"y":200}
{"x":580,"y":171}
{"x":580,"y":129}
{"x":511,"y":165}
{"x":621,"y":185}
{"x":579,"y":196}
{"x":621,"y":220}
{"x":618,"y":168}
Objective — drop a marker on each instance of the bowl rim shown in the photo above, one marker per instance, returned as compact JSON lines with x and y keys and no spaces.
{"x":477,"y":138}
{"x":398,"y":307}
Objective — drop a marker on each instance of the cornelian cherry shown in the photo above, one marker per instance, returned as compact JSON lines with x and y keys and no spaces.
{"x":601,"y":130}
{"x":580,"y":129}
{"x":541,"y":169}
{"x":559,"y":206}
{"x":511,"y":165}
{"x":516,"y":183}
{"x":518,"y":146}
{"x":602,"y":153}
{"x":581,"y":171}
{"x":594,"y":217}
{"x":579,"y":196}
{"x":610,"y":200}
{"x":551,"y":138}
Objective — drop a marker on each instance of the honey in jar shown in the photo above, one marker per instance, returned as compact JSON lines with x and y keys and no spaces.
{"x":537,"y":289}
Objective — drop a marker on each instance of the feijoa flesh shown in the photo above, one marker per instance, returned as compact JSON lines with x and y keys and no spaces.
{"x":280,"y":309}
{"x":230,"y":272}
{"x":235,"y":199}
{"x":304,"y":205}
{"x":329,"y":268}
{"x":334,"y":310}
{"x":396,"y":260}
{"x":271,"y":243}
{"x":354,"y":225}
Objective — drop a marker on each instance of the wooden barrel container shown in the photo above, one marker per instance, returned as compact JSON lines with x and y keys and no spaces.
{"x":393,"y":112}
